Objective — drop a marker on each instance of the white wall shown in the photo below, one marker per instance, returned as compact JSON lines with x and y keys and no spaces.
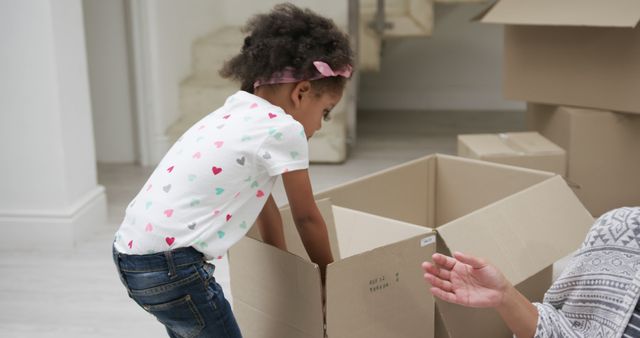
{"x":109,"y":74}
{"x":48,"y":188}
{"x":458,"y":68}
{"x":167,"y":30}
{"x":237,"y":12}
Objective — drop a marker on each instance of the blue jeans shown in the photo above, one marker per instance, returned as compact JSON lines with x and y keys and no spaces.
{"x":179,"y":289}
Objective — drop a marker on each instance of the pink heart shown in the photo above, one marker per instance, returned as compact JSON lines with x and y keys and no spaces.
{"x":216,"y":170}
{"x":216,"y":213}
{"x":149,"y":187}
{"x":226,"y":117}
{"x":168,"y":212}
{"x":170,"y":169}
{"x":218,"y":144}
{"x":253,"y":105}
{"x":201,"y":127}
{"x":259,"y":194}
{"x":130,"y":244}
{"x":236,"y":195}
{"x":170,"y":240}
{"x":197,"y":155}
{"x":272,"y":115}
{"x":149,"y":227}
{"x":228,"y":217}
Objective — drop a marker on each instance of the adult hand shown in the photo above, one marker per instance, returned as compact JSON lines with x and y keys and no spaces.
{"x":465,"y":280}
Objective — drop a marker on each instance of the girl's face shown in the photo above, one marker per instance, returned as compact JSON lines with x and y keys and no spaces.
{"x":313,"y":108}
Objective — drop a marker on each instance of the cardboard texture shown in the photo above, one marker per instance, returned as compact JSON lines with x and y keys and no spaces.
{"x":521,"y":220}
{"x":603,"y":152}
{"x":522,"y":149}
{"x":573,"y":52}
{"x":375,"y":287}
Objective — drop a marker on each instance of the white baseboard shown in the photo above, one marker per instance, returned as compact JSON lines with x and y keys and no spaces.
{"x":54,"y":229}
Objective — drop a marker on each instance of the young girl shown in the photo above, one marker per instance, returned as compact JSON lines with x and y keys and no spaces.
{"x":216,"y":180}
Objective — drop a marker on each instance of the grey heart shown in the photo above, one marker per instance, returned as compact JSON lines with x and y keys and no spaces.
{"x":166,"y":188}
{"x":220,"y":126}
{"x":192,"y":226}
{"x":266,"y":155}
{"x":240,"y":160}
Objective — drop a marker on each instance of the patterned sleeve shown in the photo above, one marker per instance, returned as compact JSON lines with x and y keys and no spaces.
{"x":552,"y":323}
{"x":285,"y":149}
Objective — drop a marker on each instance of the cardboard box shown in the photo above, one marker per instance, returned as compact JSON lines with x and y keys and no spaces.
{"x":573,"y":52}
{"x":603,"y":152}
{"x":375,"y":287}
{"x":523,"y":149}
{"x":521,"y":220}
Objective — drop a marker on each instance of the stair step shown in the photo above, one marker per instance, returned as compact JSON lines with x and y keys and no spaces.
{"x":200,"y":95}
{"x":211,"y":51}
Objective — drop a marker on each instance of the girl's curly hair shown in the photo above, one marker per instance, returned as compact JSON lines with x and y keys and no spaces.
{"x":290,"y":37}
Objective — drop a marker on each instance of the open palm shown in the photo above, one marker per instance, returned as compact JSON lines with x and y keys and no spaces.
{"x":465,"y":280}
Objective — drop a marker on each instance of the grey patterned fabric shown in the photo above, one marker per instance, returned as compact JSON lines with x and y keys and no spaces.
{"x":596,"y":294}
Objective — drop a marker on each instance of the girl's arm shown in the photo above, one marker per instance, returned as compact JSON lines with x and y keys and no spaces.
{"x":307,"y":217}
{"x":270,"y":225}
{"x":470,"y":281}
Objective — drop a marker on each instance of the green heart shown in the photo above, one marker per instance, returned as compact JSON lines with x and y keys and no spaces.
{"x":219,"y":191}
{"x":202,"y":244}
{"x":278,"y":136}
{"x":148,"y":205}
{"x":246,"y":138}
{"x":248,"y":179}
{"x":194,"y":203}
{"x":294,"y":154}
{"x":247,"y":118}
{"x":243,"y":225}
{"x":199,"y":138}
{"x":272,"y":131}
{"x":192,"y":178}
{"x":221,"y":234}
{"x":254,"y":184}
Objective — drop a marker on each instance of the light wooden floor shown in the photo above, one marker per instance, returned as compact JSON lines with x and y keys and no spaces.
{"x":76,"y":293}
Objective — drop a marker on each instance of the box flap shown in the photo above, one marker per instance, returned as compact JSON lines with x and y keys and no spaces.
{"x":359,"y":232}
{"x":531,"y":143}
{"x":464,"y":185}
{"x":291,"y":236}
{"x":523,"y":233}
{"x":509,"y":144}
{"x":403,"y":192}
{"x":382,"y":293}
{"x":594,"y":13}
{"x":487,"y":145}
{"x":295,"y":290}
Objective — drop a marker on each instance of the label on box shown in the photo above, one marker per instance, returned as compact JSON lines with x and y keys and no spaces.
{"x":427,"y":240}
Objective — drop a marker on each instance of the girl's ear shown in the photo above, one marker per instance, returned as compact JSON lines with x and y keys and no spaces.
{"x":300,"y":90}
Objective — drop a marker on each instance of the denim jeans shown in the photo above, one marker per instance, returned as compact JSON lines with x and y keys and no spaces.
{"x":179,"y":289}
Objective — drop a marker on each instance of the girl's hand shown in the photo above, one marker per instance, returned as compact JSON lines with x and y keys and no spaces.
{"x":465,"y":280}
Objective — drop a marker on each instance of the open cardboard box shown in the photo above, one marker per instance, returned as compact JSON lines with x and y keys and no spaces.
{"x":374,"y":288}
{"x":523,"y":149}
{"x":521,"y":220}
{"x":571,"y":52}
{"x":603,"y":152}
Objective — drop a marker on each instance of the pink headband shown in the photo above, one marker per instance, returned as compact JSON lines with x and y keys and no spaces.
{"x":286,"y":76}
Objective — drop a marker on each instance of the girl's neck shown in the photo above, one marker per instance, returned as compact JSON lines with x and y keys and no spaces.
{"x":277,"y":95}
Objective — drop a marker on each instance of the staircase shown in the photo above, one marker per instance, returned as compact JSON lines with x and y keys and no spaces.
{"x":204,"y":90}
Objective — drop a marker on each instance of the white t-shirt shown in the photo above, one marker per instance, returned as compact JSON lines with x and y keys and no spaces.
{"x":210,"y":187}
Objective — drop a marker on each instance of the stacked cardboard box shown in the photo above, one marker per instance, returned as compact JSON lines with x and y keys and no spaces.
{"x":580,"y":53}
{"x":523,"y":149}
{"x":604,"y":152}
{"x":522,"y":220}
